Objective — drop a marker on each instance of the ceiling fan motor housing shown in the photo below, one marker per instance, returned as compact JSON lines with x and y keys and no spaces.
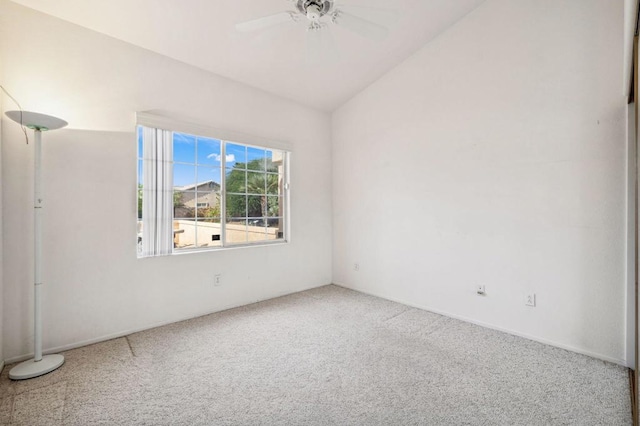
{"x":314,"y":9}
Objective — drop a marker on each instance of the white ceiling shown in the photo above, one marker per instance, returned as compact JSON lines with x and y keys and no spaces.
{"x":202,"y":33}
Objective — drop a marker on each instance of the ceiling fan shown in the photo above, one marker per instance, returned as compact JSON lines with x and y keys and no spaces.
{"x":317,"y":15}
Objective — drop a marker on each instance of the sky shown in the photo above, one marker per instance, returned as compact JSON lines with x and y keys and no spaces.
{"x":197,"y":159}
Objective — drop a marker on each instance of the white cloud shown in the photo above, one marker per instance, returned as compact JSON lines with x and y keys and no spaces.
{"x":230,"y":157}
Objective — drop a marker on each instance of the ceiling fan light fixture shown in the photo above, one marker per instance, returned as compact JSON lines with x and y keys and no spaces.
{"x":318,"y":14}
{"x":314,"y":13}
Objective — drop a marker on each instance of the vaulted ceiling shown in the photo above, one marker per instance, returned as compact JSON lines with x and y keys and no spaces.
{"x":202,"y":33}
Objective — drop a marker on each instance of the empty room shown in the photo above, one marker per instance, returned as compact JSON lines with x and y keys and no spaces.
{"x":318,"y":212}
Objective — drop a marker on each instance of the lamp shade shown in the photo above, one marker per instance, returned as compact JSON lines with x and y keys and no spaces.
{"x":36,"y":121}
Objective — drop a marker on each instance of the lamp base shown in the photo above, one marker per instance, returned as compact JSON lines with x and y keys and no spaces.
{"x":31,"y":368}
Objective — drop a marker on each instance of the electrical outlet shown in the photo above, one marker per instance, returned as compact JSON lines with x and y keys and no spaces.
{"x":530,"y":299}
{"x":480,"y":290}
{"x":217,"y":280}
{"x":356,"y":267}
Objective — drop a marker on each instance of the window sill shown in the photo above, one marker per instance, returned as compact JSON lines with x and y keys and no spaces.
{"x":227,"y":248}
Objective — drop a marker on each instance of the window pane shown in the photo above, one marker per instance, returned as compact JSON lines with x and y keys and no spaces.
{"x":184,"y":233}
{"x":139,"y":236}
{"x":184,"y":203}
{"x":184,"y":148}
{"x":209,"y":151}
{"x":274,"y":206}
{"x":255,"y":159}
{"x":255,"y":183}
{"x":208,"y":178}
{"x":184,"y":177}
{"x":236,"y":155}
{"x":255,"y":205}
{"x":275,"y":160}
{"x":256,"y":222}
{"x":254,"y":197}
{"x":236,"y":231}
{"x":273,"y":184}
{"x":140,"y":196}
{"x":236,"y":181}
{"x":140,"y":141}
{"x":209,"y":232}
{"x":208,"y":187}
{"x":236,"y":206}
{"x":275,"y":228}
{"x":256,"y":230}
{"x":140,"y":172}
{"x":208,"y":205}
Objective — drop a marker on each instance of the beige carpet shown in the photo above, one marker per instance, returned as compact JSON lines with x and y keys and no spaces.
{"x":327,"y":356}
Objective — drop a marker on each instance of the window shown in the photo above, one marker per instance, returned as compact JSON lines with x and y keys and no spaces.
{"x":197,"y":192}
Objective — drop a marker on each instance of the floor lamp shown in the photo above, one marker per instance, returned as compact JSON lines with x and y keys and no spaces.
{"x":39,"y":365}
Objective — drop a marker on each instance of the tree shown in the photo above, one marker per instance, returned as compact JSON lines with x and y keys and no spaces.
{"x":258,"y":184}
{"x":139,"y":201}
{"x":177,"y":199}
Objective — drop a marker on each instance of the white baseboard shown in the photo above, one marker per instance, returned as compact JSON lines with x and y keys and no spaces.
{"x":621,"y":362}
{"x":123,"y":333}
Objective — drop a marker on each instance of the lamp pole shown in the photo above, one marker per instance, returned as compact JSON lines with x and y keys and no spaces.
{"x":39,"y":364}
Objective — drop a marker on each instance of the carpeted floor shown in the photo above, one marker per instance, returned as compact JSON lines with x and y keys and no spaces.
{"x":328,"y":356}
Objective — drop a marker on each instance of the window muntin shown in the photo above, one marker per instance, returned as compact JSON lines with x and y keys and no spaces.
{"x":224,"y":193}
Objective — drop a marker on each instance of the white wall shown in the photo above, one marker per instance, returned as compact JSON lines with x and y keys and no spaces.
{"x":2,"y":102}
{"x":630,"y":17}
{"x":631,"y":217}
{"x":495,"y":155}
{"x":95,"y":286}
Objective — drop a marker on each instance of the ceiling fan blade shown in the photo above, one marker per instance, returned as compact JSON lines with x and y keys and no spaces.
{"x":314,"y":46}
{"x":266,"y":22}
{"x":360,"y":26}
{"x":321,"y":47}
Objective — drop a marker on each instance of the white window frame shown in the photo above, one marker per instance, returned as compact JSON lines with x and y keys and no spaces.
{"x":224,"y":136}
